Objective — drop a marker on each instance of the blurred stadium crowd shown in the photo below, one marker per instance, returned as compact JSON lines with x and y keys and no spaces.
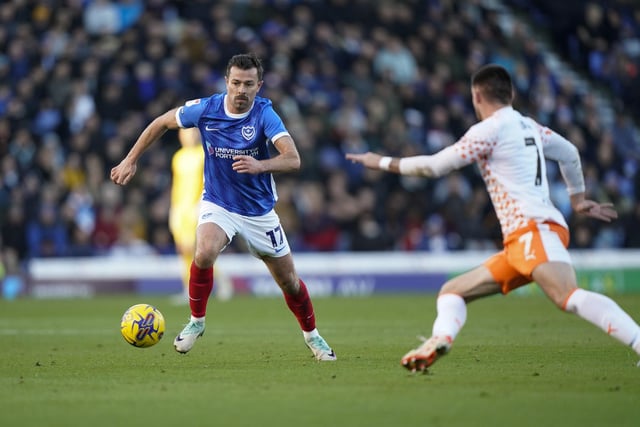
{"x":79,"y":80}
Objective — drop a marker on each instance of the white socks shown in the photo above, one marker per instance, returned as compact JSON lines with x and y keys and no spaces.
{"x":596,"y":308}
{"x":310,"y":334}
{"x":603,"y":312}
{"x":452,"y":313}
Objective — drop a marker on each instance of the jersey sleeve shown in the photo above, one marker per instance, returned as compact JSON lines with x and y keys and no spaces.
{"x":476,"y":143}
{"x":189,"y":114}
{"x":273,"y":126}
{"x":559,"y":149}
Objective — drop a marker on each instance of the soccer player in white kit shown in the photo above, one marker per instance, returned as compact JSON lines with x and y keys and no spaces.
{"x":236,"y":128}
{"x":510,"y":151}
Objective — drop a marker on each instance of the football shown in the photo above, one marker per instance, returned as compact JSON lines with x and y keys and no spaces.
{"x":142,"y":325}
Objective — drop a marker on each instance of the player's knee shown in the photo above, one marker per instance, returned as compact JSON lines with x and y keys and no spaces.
{"x":204,"y":259}
{"x":289,"y":284}
{"x":560,"y":296}
{"x":448,"y":288}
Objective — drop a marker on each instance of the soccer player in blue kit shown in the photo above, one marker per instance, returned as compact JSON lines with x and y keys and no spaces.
{"x":239,"y":191}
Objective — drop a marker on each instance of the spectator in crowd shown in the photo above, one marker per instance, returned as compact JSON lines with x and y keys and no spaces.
{"x":14,"y":232}
{"x":46,"y":235}
{"x":72,"y":94}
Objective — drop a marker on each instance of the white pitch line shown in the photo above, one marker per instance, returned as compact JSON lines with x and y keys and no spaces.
{"x":57,"y":332}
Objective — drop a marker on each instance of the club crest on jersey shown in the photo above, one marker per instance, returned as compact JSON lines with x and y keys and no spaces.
{"x":248,"y":132}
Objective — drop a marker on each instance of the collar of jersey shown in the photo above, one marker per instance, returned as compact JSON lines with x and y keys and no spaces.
{"x":236,"y":116}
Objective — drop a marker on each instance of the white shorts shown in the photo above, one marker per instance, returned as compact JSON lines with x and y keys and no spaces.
{"x":264,"y":234}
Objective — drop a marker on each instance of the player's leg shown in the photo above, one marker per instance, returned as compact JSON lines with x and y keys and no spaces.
{"x":451,"y":315}
{"x":299,"y":302}
{"x":558,"y":281}
{"x":552,"y":270}
{"x":267,"y":240}
{"x":211,"y":239}
{"x":294,"y":290}
{"x":456,"y":293}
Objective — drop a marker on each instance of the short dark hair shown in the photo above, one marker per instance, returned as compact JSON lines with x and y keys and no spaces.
{"x":495,"y":83}
{"x":245,"y":61}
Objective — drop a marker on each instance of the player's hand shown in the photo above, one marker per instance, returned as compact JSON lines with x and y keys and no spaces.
{"x":123,"y":173}
{"x":368,"y":159}
{"x":602,"y":211}
{"x":247,"y":164}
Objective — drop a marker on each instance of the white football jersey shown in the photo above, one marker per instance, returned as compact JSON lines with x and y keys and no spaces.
{"x":510,"y":151}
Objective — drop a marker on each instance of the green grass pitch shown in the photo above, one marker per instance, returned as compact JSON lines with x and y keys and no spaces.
{"x":518,"y":362}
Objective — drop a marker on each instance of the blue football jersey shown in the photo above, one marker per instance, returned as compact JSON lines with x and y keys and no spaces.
{"x":225,"y":135}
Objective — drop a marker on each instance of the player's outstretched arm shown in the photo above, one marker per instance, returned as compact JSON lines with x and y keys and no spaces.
{"x":375,"y":161}
{"x":124,"y":172}
{"x":432,"y":166}
{"x":602,"y":211}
